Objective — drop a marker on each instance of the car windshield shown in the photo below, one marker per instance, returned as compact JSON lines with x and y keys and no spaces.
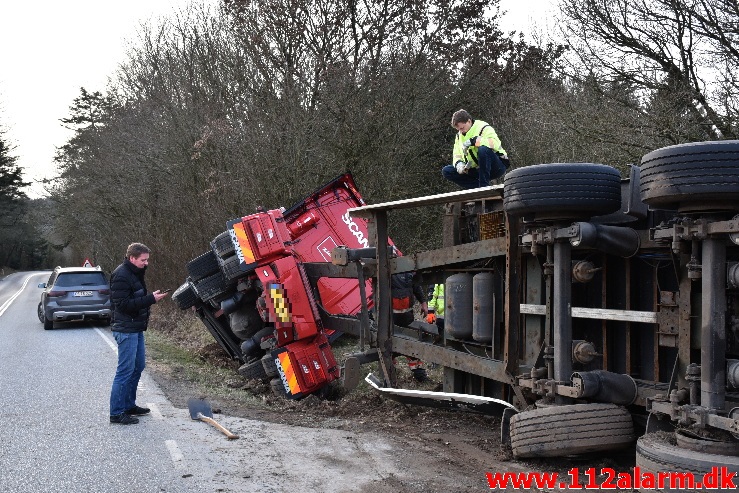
{"x":70,"y":279}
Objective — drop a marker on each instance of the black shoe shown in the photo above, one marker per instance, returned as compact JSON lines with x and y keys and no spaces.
{"x":138,"y":411}
{"x":123,"y":419}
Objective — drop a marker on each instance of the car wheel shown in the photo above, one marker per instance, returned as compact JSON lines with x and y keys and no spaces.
{"x":185,"y":296}
{"x":562,"y":190}
{"x":694,"y":176}
{"x":202,"y":266}
{"x":658,"y":452}
{"x":559,"y":431}
{"x":40,"y":312}
{"x":222,"y":245}
{"x":253,"y":370}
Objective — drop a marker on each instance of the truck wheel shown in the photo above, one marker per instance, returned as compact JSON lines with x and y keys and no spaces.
{"x":211,"y":286}
{"x":245,"y":322}
{"x":253,"y":370}
{"x":202,"y":266}
{"x":658,"y":452}
{"x":695,"y":176}
{"x":222,"y":245}
{"x":270,"y":367}
{"x":185,"y":296}
{"x":569,"y":430}
{"x":231,"y":268}
{"x":562,"y":190}
{"x":277,"y":387}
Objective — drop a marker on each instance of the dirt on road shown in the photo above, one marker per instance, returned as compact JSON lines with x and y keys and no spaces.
{"x":433,"y":450}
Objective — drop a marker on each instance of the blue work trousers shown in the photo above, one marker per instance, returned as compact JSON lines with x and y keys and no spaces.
{"x":131,"y":362}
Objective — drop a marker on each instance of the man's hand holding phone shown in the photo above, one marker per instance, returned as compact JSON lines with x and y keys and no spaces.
{"x":159,"y":295}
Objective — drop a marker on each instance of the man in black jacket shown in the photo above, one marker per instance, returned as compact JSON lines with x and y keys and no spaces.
{"x":131,"y":302}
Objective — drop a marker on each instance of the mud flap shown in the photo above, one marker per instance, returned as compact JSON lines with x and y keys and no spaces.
{"x":505,"y":426}
{"x":443,"y":400}
{"x":350,"y":375}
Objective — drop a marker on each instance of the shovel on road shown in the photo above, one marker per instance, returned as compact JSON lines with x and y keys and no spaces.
{"x":200,"y":410}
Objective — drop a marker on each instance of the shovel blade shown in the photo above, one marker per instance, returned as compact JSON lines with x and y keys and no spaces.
{"x":199,"y":408}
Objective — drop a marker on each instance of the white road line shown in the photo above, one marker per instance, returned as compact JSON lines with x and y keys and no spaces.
{"x":7,"y":304}
{"x":174,"y":452}
{"x":155,"y":412}
{"x":112,"y":344}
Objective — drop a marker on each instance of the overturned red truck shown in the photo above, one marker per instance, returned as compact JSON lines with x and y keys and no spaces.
{"x":252,"y":292}
{"x":590,"y":310}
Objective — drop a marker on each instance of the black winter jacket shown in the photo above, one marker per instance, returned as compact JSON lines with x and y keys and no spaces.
{"x":131,"y":301}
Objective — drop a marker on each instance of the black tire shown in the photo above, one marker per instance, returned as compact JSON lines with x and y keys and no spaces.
{"x":562,"y":190}
{"x":185,"y":296}
{"x":560,"y":431}
{"x":40,"y":312}
{"x":222,"y":245}
{"x":231,"y":268}
{"x":657,"y":452}
{"x":695,"y":176}
{"x":270,"y":367}
{"x":202,"y":266}
{"x":278,"y":388}
{"x":210,"y":287}
{"x":253,"y":370}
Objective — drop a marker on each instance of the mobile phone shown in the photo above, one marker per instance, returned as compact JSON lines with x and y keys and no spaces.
{"x":165,"y":291}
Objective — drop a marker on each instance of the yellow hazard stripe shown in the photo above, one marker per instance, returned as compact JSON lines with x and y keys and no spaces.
{"x":246,"y":250}
{"x":290,"y":377}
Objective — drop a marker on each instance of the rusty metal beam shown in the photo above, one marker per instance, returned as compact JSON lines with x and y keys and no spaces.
{"x":451,"y":358}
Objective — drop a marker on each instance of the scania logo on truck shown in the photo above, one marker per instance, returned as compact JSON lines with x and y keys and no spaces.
{"x":355,"y":230}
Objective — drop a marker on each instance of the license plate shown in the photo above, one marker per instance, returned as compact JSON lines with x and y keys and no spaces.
{"x":83,"y":293}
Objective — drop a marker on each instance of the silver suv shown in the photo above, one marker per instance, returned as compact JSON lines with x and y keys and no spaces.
{"x":74,"y":293}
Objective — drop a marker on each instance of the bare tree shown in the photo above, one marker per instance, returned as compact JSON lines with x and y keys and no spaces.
{"x":685,"y":49}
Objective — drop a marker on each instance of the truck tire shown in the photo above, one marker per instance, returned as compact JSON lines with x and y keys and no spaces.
{"x":222,"y":245}
{"x":559,"y":431}
{"x":277,"y":387}
{"x":185,"y":296}
{"x":657,"y":452}
{"x":202,"y":266}
{"x":695,"y":176}
{"x":211,"y":286}
{"x":253,"y":370}
{"x":245,"y":322}
{"x":562,"y":190}
{"x":270,"y":367}
{"x":231,"y":268}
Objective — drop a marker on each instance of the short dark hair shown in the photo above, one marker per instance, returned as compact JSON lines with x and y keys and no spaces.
{"x":135,"y":250}
{"x":460,"y":116}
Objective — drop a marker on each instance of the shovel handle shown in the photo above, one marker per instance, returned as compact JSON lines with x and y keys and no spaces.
{"x":220,"y":428}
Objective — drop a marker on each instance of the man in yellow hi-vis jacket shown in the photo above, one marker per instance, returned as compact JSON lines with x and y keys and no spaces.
{"x":478,"y":156}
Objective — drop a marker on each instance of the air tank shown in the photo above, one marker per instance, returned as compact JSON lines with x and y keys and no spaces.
{"x":483,"y":307}
{"x":458,"y":306}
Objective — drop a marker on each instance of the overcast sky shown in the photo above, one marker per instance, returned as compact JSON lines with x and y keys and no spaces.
{"x":52,"y":48}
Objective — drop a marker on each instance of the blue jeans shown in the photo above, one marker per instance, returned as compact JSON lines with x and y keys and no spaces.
{"x":131,"y":362}
{"x":489,"y":168}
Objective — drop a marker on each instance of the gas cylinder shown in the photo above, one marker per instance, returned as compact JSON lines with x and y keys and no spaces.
{"x":458,"y":306}
{"x":483,"y":306}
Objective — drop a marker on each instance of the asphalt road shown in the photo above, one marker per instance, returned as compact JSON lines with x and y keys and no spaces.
{"x":55,"y":434}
